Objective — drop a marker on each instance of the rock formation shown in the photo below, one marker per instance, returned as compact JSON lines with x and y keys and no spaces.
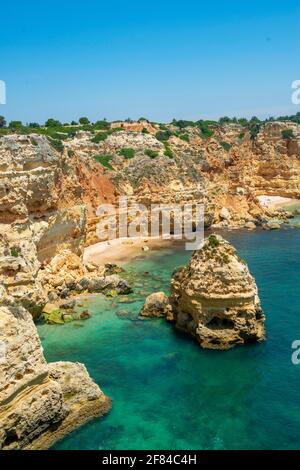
{"x":215,"y":298}
{"x":156,"y":305}
{"x":39,"y":402}
{"x":46,"y":200}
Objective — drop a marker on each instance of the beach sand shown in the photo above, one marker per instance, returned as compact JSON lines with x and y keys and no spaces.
{"x":121,"y":250}
{"x":277,"y":202}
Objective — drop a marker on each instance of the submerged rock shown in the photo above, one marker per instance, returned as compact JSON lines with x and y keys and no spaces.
{"x":85,"y":314}
{"x":215,"y":298}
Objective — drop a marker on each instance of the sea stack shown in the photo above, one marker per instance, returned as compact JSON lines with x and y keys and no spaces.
{"x":215,"y":298}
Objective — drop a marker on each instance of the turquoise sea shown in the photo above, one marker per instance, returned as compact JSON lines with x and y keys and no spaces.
{"x":168,"y":393}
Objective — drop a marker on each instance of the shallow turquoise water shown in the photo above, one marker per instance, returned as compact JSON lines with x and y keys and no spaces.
{"x":168,"y":393}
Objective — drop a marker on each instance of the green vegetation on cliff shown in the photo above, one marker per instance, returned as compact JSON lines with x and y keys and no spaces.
{"x":151,"y":153}
{"x":127,"y":153}
{"x":104,"y":160}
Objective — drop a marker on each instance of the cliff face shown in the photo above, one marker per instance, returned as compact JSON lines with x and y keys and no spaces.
{"x":227,"y":170}
{"x":215,"y":298}
{"x":39,"y":402}
{"x":46,"y":200}
{"x":36,"y":179}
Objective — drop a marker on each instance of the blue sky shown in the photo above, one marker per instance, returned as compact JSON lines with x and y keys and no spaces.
{"x":159,"y":60}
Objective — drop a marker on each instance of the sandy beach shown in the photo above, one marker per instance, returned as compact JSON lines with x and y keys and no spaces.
{"x":121,"y":250}
{"x":277,"y":202}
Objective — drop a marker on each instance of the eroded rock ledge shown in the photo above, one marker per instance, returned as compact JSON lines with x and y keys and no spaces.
{"x":39,"y":403}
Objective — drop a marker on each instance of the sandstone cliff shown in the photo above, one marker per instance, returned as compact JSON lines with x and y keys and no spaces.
{"x":227,"y":170}
{"x":39,"y":402}
{"x":215,"y":298}
{"x":46,"y":199}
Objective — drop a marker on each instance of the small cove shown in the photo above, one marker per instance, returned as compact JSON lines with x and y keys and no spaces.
{"x":166,"y":391}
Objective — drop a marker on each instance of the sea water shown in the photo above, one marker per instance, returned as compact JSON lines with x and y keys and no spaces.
{"x":167,"y":392}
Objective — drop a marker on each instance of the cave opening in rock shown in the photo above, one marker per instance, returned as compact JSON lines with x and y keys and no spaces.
{"x":11,"y":439}
{"x":217,"y":323}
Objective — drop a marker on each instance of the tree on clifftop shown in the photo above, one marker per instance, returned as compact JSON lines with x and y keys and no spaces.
{"x":15,"y":125}
{"x":84,"y":121}
{"x":52,"y":123}
{"x":2,"y":121}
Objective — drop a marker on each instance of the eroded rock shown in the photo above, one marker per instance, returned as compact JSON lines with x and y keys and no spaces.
{"x":156,"y":305}
{"x":39,"y":403}
{"x":215,"y":298}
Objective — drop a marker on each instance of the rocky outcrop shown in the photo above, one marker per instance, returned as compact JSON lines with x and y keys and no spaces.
{"x":156,"y":305}
{"x":215,"y":298}
{"x":39,"y":402}
{"x":66,"y":275}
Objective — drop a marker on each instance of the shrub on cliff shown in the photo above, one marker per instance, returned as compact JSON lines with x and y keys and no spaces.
{"x":225,"y":145}
{"x":56,"y":144}
{"x":2,"y":121}
{"x":164,"y":135}
{"x":182,"y":123}
{"x":287,"y":134}
{"x":102,"y":125}
{"x":184,"y":137}
{"x":213,"y":241}
{"x":127,"y":152}
{"x":225,"y":120}
{"x":151,"y":153}
{"x":104,"y":160}
{"x":100,"y":137}
{"x":168,"y":152}
{"x":205,"y":131}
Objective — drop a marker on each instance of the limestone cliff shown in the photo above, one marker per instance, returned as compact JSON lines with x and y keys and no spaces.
{"x":215,"y":298}
{"x":39,"y":402}
{"x":227,"y":170}
{"x":46,"y":199}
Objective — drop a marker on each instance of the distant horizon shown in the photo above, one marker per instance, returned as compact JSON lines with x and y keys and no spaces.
{"x":165,"y":59}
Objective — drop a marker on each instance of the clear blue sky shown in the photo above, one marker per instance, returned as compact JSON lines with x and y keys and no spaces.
{"x":157,"y":59}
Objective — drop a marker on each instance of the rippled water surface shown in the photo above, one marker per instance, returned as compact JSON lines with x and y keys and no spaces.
{"x":168,"y":393}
